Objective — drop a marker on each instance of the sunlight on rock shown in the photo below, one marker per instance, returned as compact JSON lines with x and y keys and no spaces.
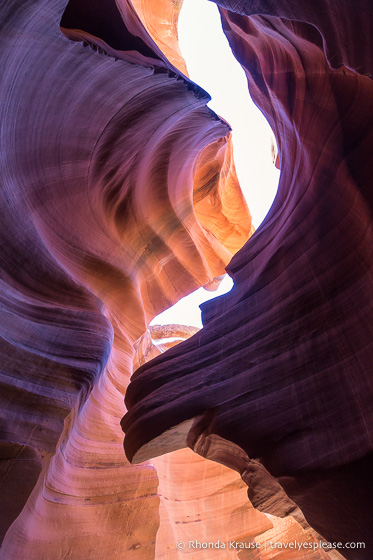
{"x":211,"y":65}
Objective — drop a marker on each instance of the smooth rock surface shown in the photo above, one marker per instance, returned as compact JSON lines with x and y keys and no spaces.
{"x":203,"y":502}
{"x":119,"y":196}
{"x":281,"y":369}
{"x":99,"y":235}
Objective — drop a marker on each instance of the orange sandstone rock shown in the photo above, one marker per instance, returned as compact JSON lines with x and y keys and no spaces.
{"x":281,"y":369}
{"x":99,"y":236}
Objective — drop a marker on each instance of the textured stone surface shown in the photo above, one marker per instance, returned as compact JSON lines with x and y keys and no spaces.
{"x":99,"y":235}
{"x":160,"y":19}
{"x":282,"y":366}
{"x":119,"y":196}
{"x":202,"y":501}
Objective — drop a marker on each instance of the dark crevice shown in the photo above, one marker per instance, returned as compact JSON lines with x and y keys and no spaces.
{"x":102,"y":19}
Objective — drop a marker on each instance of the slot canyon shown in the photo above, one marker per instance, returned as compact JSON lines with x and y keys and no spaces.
{"x":124,"y":440}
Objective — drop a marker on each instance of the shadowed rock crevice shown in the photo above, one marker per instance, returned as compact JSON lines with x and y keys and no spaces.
{"x":103,"y":20}
{"x":20,"y":467}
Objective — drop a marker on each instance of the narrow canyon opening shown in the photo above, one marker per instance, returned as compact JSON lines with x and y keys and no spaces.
{"x":212,"y":65}
{"x":119,"y":198}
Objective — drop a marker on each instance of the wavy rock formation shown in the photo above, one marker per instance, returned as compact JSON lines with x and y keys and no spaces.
{"x":280,"y":373}
{"x":160,"y":20}
{"x":202,"y":501}
{"x":119,"y":196}
{"x":104,"y":148}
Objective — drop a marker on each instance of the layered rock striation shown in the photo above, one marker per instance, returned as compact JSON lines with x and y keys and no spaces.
{"x":119,"y":196}
{"x":280,"y":373}
{"x":105,"y":145}
{"x":204,"y":505}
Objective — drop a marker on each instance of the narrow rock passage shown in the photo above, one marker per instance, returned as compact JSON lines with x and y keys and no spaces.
{"x":212,"y":65}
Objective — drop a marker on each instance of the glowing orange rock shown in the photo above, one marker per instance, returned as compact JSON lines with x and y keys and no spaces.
{"x":281,"y":370}
{"x":99,"y":235}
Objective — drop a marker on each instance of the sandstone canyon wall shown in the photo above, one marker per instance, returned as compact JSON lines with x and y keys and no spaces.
{"x":280,"y":373}
{"x":119,"y":196}
{"x":104,"y":148}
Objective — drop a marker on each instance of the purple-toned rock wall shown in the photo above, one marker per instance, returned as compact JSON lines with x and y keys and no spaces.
{"x":282,"y":367}
{"x":104,"y":146}
{"x":119,"y":196}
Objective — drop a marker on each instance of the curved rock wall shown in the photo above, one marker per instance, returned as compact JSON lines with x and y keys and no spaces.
{"x":99,"y":236}
{"x":202,"y":501}
{"x":160,"y":20}
{"x":119,"y":197}
{"x":281,"y":369}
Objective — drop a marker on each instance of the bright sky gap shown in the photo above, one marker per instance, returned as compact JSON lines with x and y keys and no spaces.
{"x":211,"y":65}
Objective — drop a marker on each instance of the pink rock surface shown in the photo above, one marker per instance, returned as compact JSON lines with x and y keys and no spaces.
{"x":99,"y":235}
{"x":205,"y":503}
{"x":119,"y":196}
{"x":281,"y":369}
